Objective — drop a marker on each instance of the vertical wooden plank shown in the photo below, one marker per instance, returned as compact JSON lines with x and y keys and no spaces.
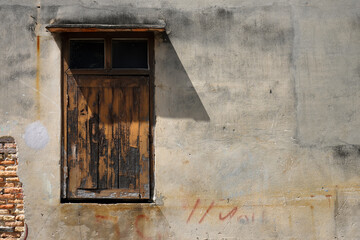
{"x":87,"y":136}
{"x":133,"y":157}
{"x":114,"y":145}
{"x":105,"y":133}
{"x":144,"y":141}
{"x":82,"y":136}
{"x":125,"y":118}
{"x":72,"y":124}
{"x":93,"y":139}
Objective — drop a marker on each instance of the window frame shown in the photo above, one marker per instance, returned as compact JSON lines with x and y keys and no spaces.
{"x":107,"y":71}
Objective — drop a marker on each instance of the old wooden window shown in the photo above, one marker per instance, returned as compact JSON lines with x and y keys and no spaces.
{"x":107,"y":116}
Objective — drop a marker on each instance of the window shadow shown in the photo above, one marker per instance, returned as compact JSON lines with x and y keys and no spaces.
{"x":175,"y":95}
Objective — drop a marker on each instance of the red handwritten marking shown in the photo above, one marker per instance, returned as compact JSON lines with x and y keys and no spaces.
{"x":230,"y":214}
{"x":207,"y":211}
{"x":193,"y":210}
{"x":138,"y":231}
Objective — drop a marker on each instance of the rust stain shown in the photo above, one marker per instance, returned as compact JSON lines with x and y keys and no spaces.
{"x":38,"y":77}
{"x":313,"y":220}
{"x":329,"y":199}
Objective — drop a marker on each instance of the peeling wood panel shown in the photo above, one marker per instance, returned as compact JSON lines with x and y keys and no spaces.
{"x":92,"y":130}
{"x":82,"y":136}
{"x":109,"y":132}
{"x":72,"y":125}
{"x":144,"y":141}
{"x":105,"y":136}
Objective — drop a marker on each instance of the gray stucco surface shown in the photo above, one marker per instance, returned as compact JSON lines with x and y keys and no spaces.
{"x":257,"y":116}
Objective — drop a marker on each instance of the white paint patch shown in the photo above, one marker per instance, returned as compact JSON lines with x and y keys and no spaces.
{"x":36,"y":135}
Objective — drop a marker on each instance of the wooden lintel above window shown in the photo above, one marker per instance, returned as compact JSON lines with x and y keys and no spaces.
{"x":59,"y":28}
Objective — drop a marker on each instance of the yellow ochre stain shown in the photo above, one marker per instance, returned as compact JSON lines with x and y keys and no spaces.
{"x":38,"y":77}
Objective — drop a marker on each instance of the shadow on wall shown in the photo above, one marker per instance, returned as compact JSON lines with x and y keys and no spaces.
{"x":175,"y":95}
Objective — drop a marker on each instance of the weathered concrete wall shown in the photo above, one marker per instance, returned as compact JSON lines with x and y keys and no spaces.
{"x":257,"y":120}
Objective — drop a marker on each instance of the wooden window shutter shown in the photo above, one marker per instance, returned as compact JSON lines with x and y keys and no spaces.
{"x":107,"y":137}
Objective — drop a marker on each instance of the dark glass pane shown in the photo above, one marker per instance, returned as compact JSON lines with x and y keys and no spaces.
{"x":86,"y":54}
{"x":129,"y":54}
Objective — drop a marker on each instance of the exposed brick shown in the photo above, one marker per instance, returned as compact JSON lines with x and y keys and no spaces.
{"x":10,"y":168}
{"x":7,"y":196}
{"x":7,"y":162}
{"x":8,"y":174}
{"x":15,"y":201}
{"x":14,"y":224}
{"x":12,"y":179}
{"x":20,"y":217}
{"x":7,"y":206}
{"x":19,"y":229}
{"x":4,"y":211}
{"x":1,"y":179}
{"x":12,"y":190}
{"x":2,"y":168}
{"x":19,"y":196}
{"x":2,"y":201}
{"x":5,"y":184}
{"x":11,"y":235}
{"x":8,"y":218}
{"x":18,"y":211}
{"x":20,"y":206}
{"x":9,"y":145}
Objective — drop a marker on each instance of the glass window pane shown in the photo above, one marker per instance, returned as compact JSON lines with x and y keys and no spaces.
{"x":129,"y":54}
{"x":86,"y":54}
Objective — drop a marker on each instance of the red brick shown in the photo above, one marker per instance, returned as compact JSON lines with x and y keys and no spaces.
{"x":8,"y":218}
{"x":4,"y":211}
{"x":12,"y":179}
{"x":20,"y":217}
{"x":10,"y":145}
{"x":15,"y":201}
{"x":19,"y":196}
{"x":7,"y":196}
{"x":10,"y":168}
{"x":11,"y":235}
{"x":14,"y":224}
{"x":8,"y":173}
{"x":7,"y":206}
{"x":20,"y":206}
{"x":4,"y":184}
{"x":7,"y":162}
{"x":19,"y":229}
{"x":12,"y":190}
{"x":1,"y":179}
